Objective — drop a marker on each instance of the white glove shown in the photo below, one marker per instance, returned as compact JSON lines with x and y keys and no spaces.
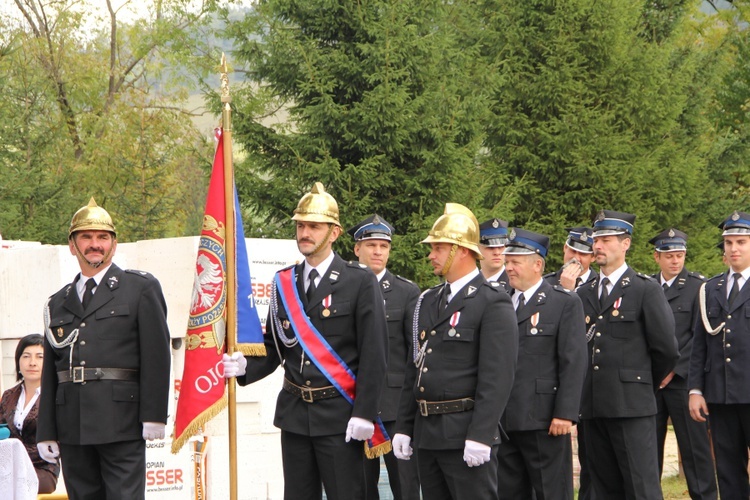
{"x":153,"y":430}
{"x":359,"y":429}
{"x":49,"y":451}
{"x":401,"y":444}
{"x":234,"y":365}
{"x":475,"y":454}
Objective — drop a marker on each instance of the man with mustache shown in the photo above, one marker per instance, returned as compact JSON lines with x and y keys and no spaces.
{"x":105,"y":381}
{"x":327,"y":328}
{"x":372,"y":248}
{"x":632,"y":348}
{"x":466,"y":341}
{"x":719,"y":378}
{"x":681,"y":289}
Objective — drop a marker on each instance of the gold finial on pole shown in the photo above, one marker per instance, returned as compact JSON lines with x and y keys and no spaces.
{"x":231,"y":280}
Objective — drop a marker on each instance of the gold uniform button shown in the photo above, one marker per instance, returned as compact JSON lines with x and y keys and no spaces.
{"x":307,"y":382}
{"x":729,"y":316}
{"x":596,"y":367}
{"x":421,"y":389}
{"x":729,"y":360}
{"x":83,"y":324}
{"x":600,"y":317}
{"x":432,"y":332}
{"x":429,"y":351}
{"x":727,"y":330}
{"x":598,"y":334}
{"x":597,"y":351}
{"x":83,"y":342}
{"x":83,"y":363}
{"x":729,"y":345}
{"x":424,"y":370}
{"x":307,"y":363}
{"x":638,"y":377}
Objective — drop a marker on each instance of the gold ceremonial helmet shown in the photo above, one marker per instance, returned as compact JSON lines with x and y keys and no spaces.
{"x":92,"y":217}
{"x":457,"y":226}
{"x":317,"y":206}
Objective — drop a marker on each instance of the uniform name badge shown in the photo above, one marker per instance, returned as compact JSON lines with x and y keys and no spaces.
{"x":326,"y":306}
{"x":534,"y":322}
{"x":616,"y":306}
{"x":454,"y":322}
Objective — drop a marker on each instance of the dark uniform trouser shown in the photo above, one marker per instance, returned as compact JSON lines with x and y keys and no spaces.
{"x":533,"y":464}
{"x":402,"y":474}
{"x":692,"y":440}
{"x":585,"y":490}
{"x":443,"y":475}
{"x":621,"y":453}
{"x":112,"y":471}
{"x":730,"y":433}
{"x":308,"y":461}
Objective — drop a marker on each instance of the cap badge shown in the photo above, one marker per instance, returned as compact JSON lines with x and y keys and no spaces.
{"x":376,"y":220}
{"x":512,"y":234}
{"x":495,"y":223}
{"x":735,"y":216}
{"x":600,"y":216}
{"x":671,"y":233}
{"x":584,"y":235}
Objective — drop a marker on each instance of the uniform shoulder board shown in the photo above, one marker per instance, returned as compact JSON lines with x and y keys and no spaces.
{"x":436,"y":286}
{"x":549,"y":275}
{"x":493,"y":284}
{"x":717,"y":277}
{"x":645,"y":277}
{"x":404,"y":279}
{"x":356,"y":265}
{"x":694,"y":274}
{"x":561,"y":289}
{"x":142,"y":274}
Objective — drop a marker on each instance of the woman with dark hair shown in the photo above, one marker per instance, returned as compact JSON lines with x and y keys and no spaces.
{"x":20,"y":406}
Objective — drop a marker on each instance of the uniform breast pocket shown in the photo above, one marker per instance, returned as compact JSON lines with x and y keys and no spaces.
{"x":459,"y":344}
{"x":394,"y":314}
{"x":622,"y":322}
{"x":61,"y":325}
{"x":539,"y":339}
{"x":337,"y":313}
{"x":109,"y":316}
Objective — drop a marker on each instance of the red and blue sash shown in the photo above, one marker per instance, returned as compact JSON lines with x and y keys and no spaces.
{"x":325,"y":358}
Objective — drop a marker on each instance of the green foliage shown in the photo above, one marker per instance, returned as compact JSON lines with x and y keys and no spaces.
{"x":384,"y":109}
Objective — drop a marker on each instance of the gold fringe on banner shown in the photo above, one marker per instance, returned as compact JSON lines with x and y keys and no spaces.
{"x":376,"y":451}
{"x":198,"y":422}
{"x":251,"y":349}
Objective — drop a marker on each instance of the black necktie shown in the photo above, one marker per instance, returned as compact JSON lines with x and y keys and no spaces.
{"x":311,"y":287}
{"x":735,"y":291}
{"x":665,"y":286}
{"x":578,"y":282}
{"x":605,"y":293}
{"x":521,"y":301}
{"x":444,"y":297}
{"x":89,"y":292}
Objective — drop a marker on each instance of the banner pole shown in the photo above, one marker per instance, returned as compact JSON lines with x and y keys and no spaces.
{"x":231,"y":274}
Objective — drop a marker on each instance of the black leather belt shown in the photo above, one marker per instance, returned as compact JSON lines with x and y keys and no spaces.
{"x":80,"y":374}
{"x":310,"y":394}
{"x":441,"y":407}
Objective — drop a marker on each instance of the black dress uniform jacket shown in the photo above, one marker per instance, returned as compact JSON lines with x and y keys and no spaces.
{"x":124,"y":326}
{"x":354,"y":327}
{"x":504,"y":281}
{"x":400,"y":296}
{"x":551,"y":361}
{"x":477,"y":362}
{"x":683,"y":300}
{"x":632,"y":349}
{"x":719,"y":363}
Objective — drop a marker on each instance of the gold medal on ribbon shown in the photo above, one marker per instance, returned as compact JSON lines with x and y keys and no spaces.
{"x":326,"y":313}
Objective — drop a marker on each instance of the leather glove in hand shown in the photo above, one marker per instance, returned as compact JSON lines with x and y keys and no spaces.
{"x":359,"y":429}
{"x":401,"y":444}
{"x":475,"y":454}
{"x":234,"y":365}
{"x":153,"y":430}
{"x":49,"y":451}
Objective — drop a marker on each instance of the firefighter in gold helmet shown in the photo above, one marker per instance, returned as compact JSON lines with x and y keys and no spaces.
{"x":105,"y":381}
{"x":465,"y":342}
{"x":328,"y":404}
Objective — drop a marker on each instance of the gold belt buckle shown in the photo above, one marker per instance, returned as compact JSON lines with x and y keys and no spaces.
{"x":307,"y":394}
{"x":423,"y":408}
{"x":78,"y":375}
